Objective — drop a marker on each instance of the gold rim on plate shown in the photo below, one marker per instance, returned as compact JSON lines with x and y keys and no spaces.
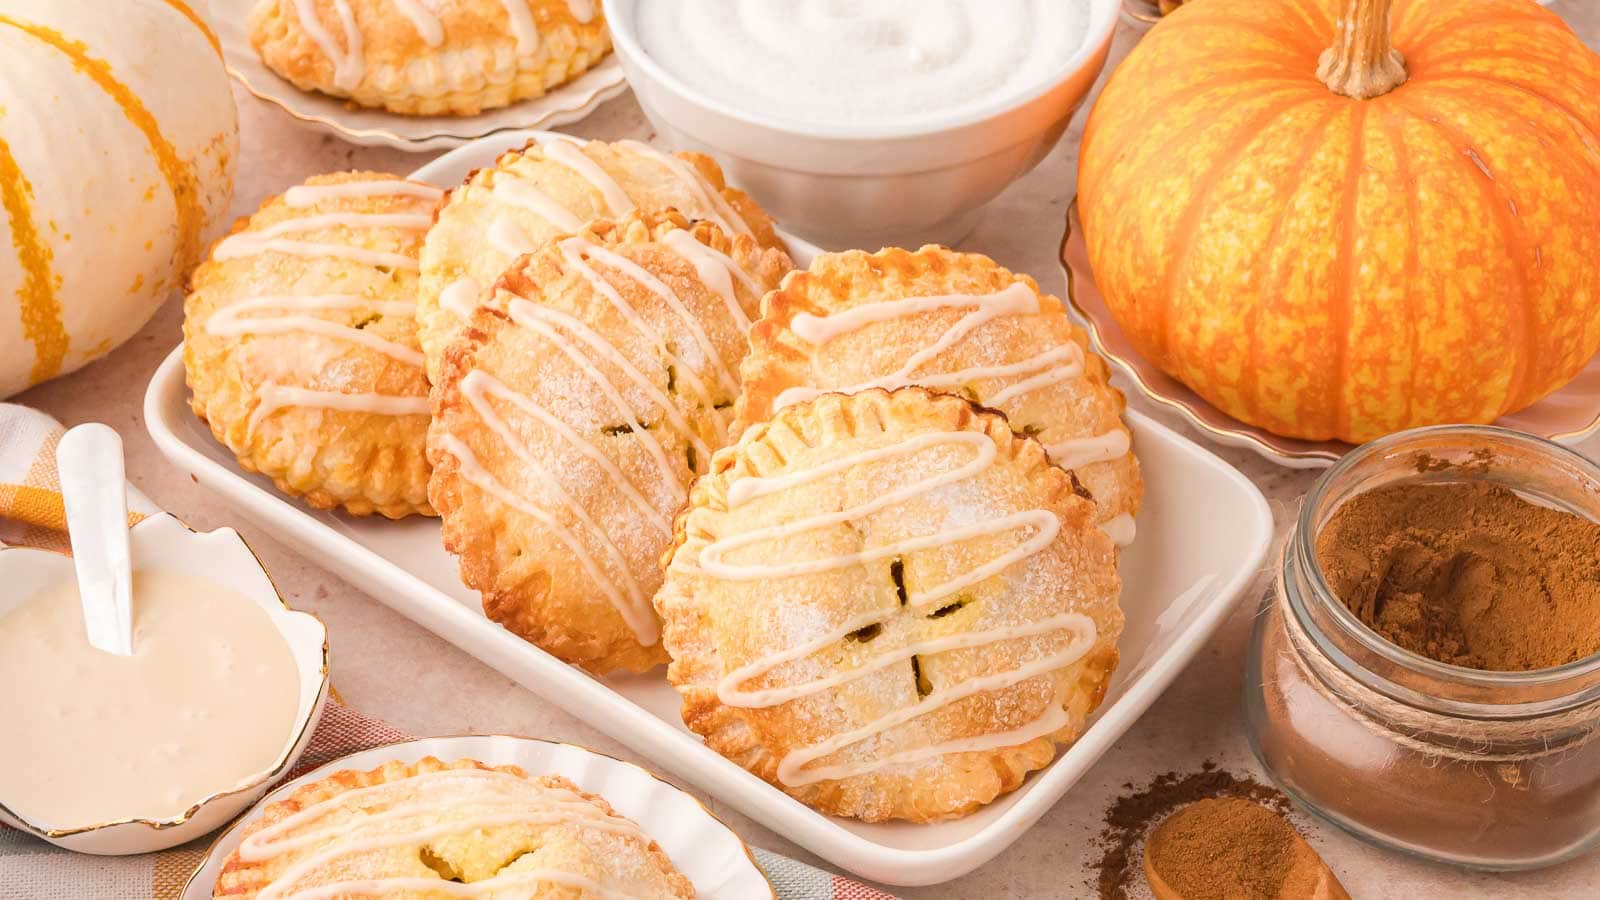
{"x":1089,"y":307}
{"x":327,"y":767}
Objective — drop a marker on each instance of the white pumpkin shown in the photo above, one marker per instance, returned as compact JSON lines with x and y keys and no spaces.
{"x":118,"y":136}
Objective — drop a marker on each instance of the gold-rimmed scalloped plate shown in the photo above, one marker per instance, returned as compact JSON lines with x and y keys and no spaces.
{"x":700,"y":845}
{"x":378,"y":128}
{"x":1569,"y":415}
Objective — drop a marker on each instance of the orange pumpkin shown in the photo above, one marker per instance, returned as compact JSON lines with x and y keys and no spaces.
{"x":1347,"y":248}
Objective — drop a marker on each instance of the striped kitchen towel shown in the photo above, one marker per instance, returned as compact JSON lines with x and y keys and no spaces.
{"x":31,"y":515}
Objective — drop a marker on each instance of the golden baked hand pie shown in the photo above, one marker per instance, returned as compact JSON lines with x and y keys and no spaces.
{"x":429,"y":829}
{"x":957,"y":323}
{"x":571,"y":415}
{"x":531,"y":195}
{"x":889,"y":605}
{"x":427,"y":58}
{"x":300,"y":343}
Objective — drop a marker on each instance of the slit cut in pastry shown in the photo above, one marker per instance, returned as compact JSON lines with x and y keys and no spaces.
{"x":889,"y":605}
{"x":572,"y":414}
{"x":424,"y":58}
{"x":432,"y":828}
{"x":956,"y":323}
{"x":557,"y":187}
{"x":300,"y":343}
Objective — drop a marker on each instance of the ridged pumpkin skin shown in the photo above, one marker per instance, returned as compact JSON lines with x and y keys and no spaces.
{"x":1325,"y":267}
{"x":118,"y":137}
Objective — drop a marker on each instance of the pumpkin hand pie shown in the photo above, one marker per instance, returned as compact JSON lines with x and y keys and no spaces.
{"x":889,"y":605}
{"x":436,"y":829}
{"x":956,"y":323}
{"x":573,"y":412}
{"x":300,"y":343}
{"x":553,"y":187}
{"x":423,"y":58}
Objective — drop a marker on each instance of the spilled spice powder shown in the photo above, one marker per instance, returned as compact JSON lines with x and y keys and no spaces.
{"x":1468,"y":574}
{"x":1130,"y":817}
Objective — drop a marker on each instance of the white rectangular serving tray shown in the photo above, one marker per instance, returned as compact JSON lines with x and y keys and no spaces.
{"x":1202,"y":534}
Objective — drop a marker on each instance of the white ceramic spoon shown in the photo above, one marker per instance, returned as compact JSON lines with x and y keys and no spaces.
{"x":90,"y":467}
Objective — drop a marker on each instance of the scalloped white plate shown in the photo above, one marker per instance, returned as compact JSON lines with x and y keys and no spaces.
{"x":1567,"y":416}
{"x":378,"y":128}
{"x":700,"y":846}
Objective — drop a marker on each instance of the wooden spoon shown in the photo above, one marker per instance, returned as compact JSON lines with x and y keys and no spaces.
{"x":1308,"y":877}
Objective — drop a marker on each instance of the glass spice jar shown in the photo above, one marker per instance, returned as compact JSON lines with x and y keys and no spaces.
{"x":1493,"y":770}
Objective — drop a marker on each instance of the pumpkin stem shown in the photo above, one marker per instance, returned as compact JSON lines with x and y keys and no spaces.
{"x":1362,"y":64}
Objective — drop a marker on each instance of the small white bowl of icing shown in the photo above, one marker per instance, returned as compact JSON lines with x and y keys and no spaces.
{"x":865,"y":124}
{"x":115,"y":755}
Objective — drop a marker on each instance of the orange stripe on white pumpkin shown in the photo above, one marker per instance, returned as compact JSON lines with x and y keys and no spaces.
{"x":41,"y":309}
{"x":179,"y":174}
{"x":188,"y":12}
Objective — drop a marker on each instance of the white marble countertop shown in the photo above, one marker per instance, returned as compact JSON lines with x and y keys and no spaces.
{"x":441,"y":690}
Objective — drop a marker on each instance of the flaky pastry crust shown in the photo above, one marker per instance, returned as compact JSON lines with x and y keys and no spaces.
{"x":572,"y":413}
{"x":305,"y":362}
{"x":1064,"y":400}
{"x":534,"y":194}
{"x":507,"y":824}
{"x":889,"y":605}
{"x":425,"y":59}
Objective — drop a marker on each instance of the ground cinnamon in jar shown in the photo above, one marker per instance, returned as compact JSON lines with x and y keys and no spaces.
{"x":1467,"y":573}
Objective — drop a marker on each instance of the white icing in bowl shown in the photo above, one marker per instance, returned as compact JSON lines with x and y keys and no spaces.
{"x":838,"y":62}
{"x":220,"y":558}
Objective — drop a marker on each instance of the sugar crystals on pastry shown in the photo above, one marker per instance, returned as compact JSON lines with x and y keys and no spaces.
{"x":422,"y":57}
{"x":436,"y":829}
{"x":552,"y":187}
{"x":300,"y":343}
{"x":571,"y":415}
{"x":889,"y":605}
{"x":953,"y":322}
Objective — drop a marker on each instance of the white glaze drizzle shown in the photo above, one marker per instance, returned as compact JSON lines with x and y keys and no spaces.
{"x":304,"y":195}
{"x":715,"y":269}
{"x":794,"y":768}
{"x":474,"y":473}
{"x":488,"y":887}
{"x":270,"y":239}
{"x":582,"y":10}
{"x":545,"y":321}
{"x":521,"y":193}
{"x":1121,"y":529}
{"x":427,"y":25}
{"x":303,"y":224}
{"x":461,"y":296}
{"x":349,"y":65}
{"x":231,"y":320}
{"x":522,"y":26}
{"x":710,"y":199}
{"x":1053,"y":365}
{"x":1076,"y":452}
{"x":576,"y":251}
{"x":1057,"y":364}
{"x":477,"y":387}
{"x":572,"y":156}
{"x":508,"y":238}
{"x":578,"y":343}
{"x":272,"y":397}
{"x":489,"y":798}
